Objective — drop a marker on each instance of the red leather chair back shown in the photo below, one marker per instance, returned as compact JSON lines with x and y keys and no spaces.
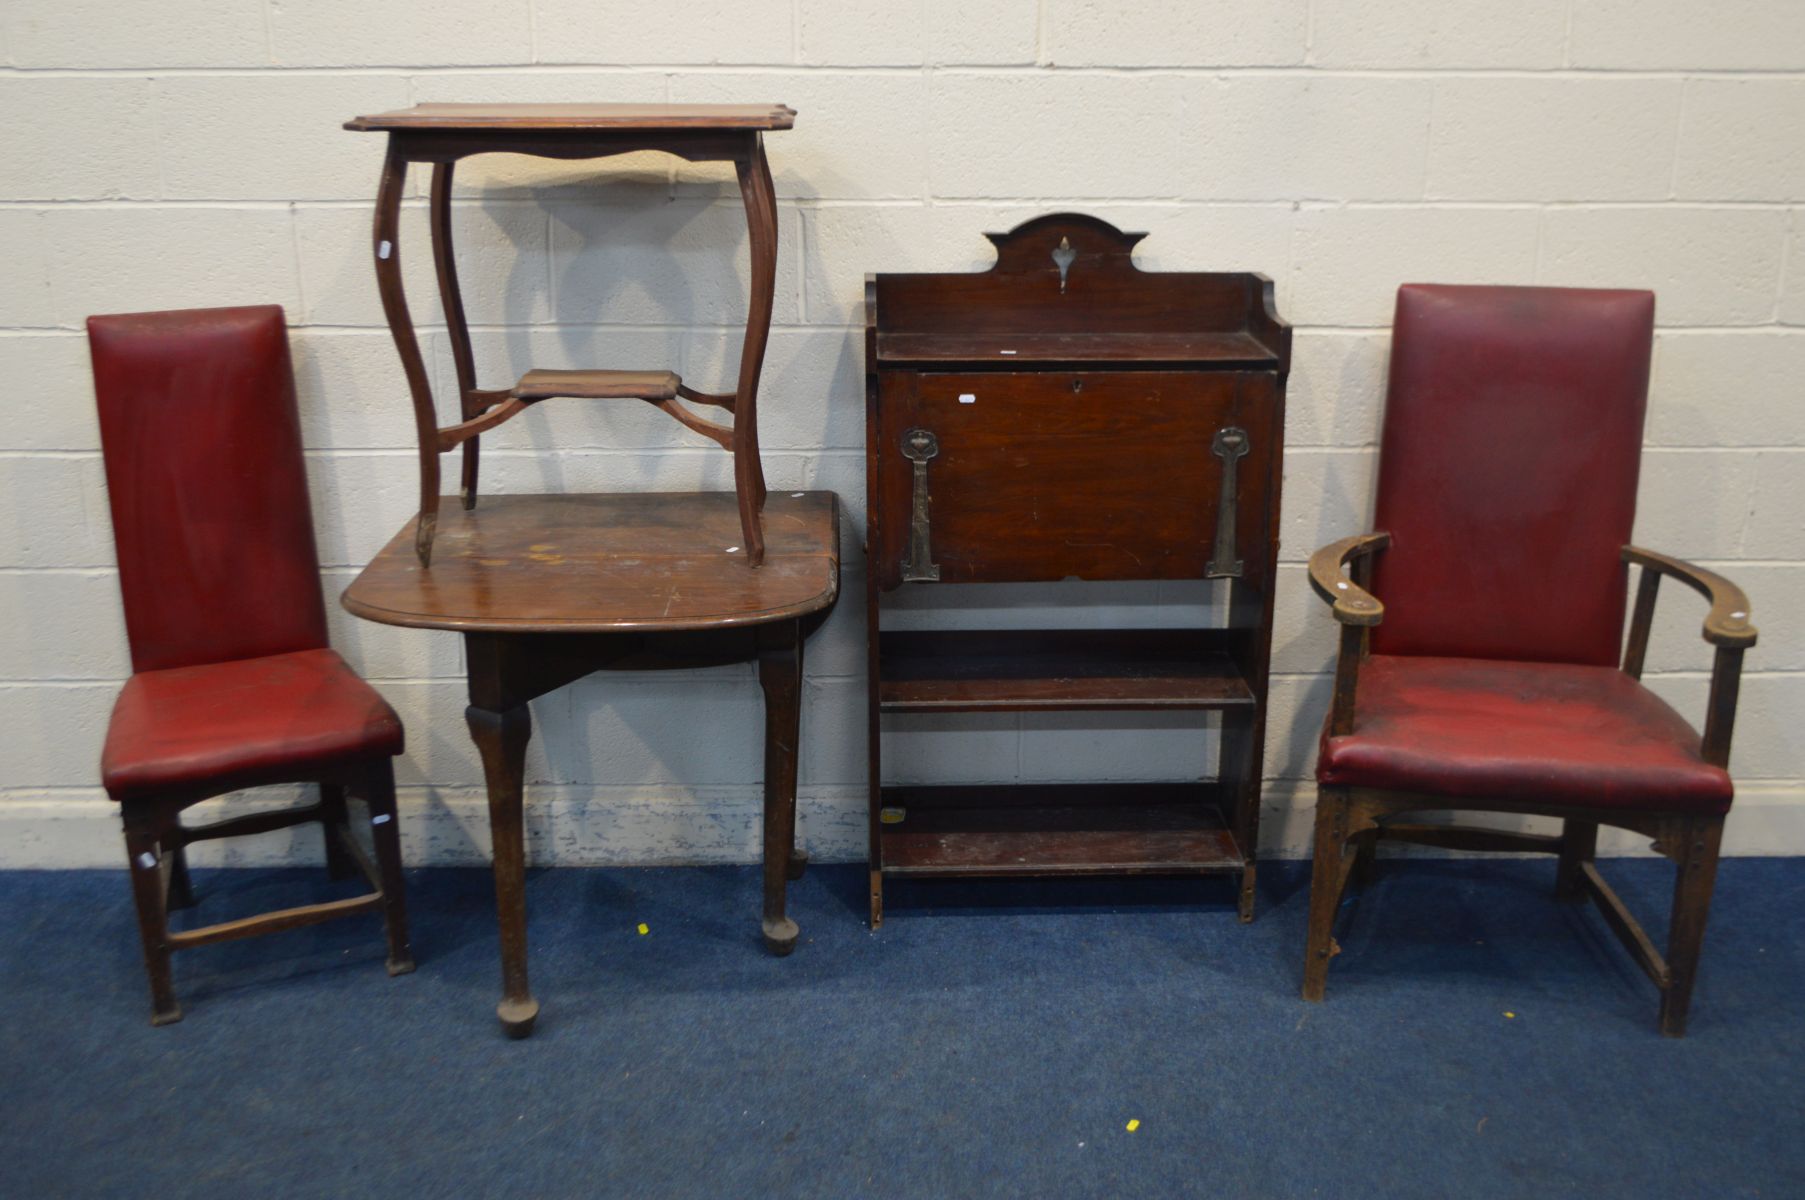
{"x":208,"y":491}
{"x":1507,"y":471}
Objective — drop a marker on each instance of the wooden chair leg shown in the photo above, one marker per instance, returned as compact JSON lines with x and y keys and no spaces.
{"x":780,"y":675}
{"x":1703,"y":838}
{"x":181,"y":887}
{"x":1326,"y":880}
{"x":1579,"y":845}
{"x":385,"y":833}
{"x":1366,"y":857}
{"x":333,"y":817}
{"x":153,"y":916}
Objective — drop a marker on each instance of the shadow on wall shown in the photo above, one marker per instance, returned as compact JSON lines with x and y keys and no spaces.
{"x":639,"y":264}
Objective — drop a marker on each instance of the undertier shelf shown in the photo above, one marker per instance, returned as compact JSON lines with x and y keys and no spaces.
{"x":540,"y":384}
{"x":1042,"y":670}
{"x":1057,"y":829}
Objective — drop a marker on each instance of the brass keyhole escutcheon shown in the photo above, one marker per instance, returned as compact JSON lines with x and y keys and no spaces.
{"x":1077,"y":385}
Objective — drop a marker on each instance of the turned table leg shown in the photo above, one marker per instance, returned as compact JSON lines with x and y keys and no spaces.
{"x":501,"y":739}
{"x":780,"y":674}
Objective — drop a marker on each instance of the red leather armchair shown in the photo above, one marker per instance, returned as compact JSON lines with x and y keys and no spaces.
{"x":1489,"y":678}
{"x":233,"y":684}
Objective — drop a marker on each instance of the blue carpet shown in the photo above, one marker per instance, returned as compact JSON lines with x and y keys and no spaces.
{"x":992,"y":1039}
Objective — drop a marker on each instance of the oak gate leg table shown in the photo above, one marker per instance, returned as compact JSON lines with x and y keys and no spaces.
{"x":547,"y":589}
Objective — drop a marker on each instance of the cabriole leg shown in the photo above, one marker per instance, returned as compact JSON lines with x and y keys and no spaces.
{"x":760,"y":197}
{"x":387,"y":248}
{"x":501,"y":739}
{"x":457,"y":329}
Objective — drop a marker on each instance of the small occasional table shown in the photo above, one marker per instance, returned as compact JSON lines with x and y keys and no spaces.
{"x":442,"y":134}
{"x":547,"y":589}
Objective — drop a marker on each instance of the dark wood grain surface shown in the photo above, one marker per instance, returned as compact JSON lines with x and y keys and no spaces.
{"x":1057,"y":829}
{"x":1068,"y":415}
{"x":542,"y":384}
{"x":1045,"y":475}
{"x":601,"y":563}
{"x":1002,"y":349}
{"x":1043,"y":670}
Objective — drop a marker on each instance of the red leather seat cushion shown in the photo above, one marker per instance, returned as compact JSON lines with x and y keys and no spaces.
{"x":1562,"y":733}
{"x":248,"y":720}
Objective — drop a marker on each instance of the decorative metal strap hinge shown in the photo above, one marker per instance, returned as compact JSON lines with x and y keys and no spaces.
{"x":918,"y":566}
{"x":1230,"y":446}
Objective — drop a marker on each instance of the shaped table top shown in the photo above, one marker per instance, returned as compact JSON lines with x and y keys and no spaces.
{"x":540,"y":118}
{"x":615,"y":562}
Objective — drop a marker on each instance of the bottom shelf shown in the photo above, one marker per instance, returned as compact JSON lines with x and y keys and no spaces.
{"x":1063,"y":829}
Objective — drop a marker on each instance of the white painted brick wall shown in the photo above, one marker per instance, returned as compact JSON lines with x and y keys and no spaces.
{"x":1340,"y":146}
{"x":1529,"y":34}
{"x":1612,"y":138}
{"x":1203,"y":33}
{"x":1681,"y":35}
{"x":1792,"y":293}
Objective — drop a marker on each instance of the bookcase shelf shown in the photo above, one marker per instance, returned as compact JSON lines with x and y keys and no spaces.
{"x":1064,"y":416}
{"x":1048,"y":670}
{"x":1057,"y":829}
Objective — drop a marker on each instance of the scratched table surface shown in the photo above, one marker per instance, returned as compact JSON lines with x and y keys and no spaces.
{"x":607,"y":562}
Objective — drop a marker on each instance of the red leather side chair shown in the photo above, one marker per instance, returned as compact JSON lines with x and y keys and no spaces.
{"x":1490,"y":677}
{"x":233,"y":684}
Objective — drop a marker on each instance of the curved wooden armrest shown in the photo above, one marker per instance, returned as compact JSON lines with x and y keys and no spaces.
{"x":1357,"y":611}
{"x":1353,"y":604}
{"x":1726,"y":627}
{"x":1727,"y":624}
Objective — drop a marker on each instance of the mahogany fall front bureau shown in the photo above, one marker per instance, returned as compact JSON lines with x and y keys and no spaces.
{"x":1066,"y":415}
